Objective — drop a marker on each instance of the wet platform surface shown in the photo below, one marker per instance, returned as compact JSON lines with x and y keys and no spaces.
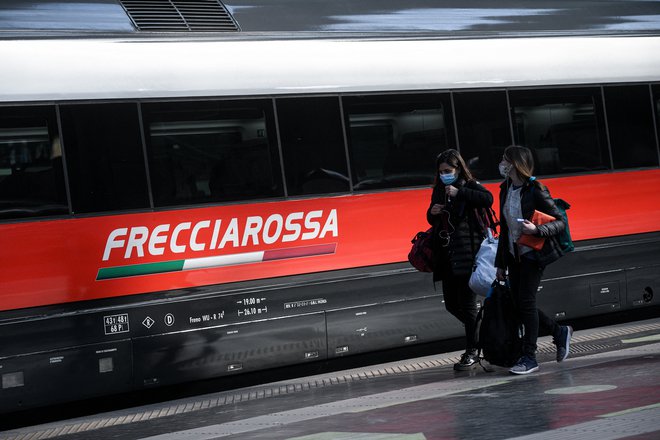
{"x":609,"y":388}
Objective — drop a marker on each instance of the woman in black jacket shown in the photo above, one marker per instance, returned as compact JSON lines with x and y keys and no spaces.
{"x":520,"y":195}
{"x":457,"y":236}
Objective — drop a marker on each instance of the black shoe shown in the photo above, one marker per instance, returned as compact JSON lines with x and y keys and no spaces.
{"x":469,"y":360}
{"x":563,"y":342}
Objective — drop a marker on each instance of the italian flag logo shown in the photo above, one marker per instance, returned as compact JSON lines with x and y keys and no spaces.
{"x":108,"y":273}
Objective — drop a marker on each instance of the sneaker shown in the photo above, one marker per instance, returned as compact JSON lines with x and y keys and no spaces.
{"x":469,"y":360}
{"x":563,"y":342}
{"x":525,"y":365}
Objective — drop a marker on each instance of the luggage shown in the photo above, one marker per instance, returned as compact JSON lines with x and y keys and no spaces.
{"x":499,"y":334}
{"x":421,"y":253}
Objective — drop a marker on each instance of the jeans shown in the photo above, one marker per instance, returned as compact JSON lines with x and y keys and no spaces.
{"x":524,"y":279}
{"x":461,"y":302}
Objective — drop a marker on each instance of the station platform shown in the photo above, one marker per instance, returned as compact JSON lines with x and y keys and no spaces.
{"x":609,"y":388}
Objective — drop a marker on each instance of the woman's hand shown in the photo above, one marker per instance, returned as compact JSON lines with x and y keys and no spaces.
{"x":528,"y":228}
{"x":451,"y":191}
{"x":500,"y":274}
{"x":436,"y":209}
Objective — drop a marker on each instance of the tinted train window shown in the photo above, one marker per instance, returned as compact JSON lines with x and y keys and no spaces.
{"x":212,"y":151}
{"x":312,"y":145}
{"x":394,"y":139}
{"x":31,"y":167}
{"x":563,"y":127}
{"x":656,"y":108}
{"x":482,"y":120}
{"x":630,"y":122}
{"x":104,"y":156}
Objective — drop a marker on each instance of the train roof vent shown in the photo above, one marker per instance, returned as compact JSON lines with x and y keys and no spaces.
{"x":179,"y":15}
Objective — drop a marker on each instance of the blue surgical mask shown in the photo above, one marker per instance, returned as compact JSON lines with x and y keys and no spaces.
{"x":448,"y":179}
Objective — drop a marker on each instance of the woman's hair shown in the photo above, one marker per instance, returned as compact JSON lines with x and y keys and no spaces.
{"x":454,"y":159}
{"x":523,"y":162}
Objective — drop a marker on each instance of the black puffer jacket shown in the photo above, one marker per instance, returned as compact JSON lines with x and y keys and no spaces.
{"x":533,"y":196}
{"x":465,"y":232}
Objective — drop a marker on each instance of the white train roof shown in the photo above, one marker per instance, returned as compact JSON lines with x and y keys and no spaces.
{"x":82,"y":69}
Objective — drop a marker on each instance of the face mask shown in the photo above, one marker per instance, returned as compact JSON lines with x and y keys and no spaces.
{"x":448,"y":179}
{"x":505,"y":170}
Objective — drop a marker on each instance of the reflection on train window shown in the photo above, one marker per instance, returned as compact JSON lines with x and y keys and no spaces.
{"x":564,"y":128}
{"x":104,"y":157}
{"x":482,"y":121}
{"x":630,"y":121}
{"x":31,"y":167}
{"x":394,"y":139}
{"x":211,"y":151}
{"x":312,"y":145}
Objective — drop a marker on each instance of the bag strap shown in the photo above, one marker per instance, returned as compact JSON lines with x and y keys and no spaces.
{"x":488,"y":221}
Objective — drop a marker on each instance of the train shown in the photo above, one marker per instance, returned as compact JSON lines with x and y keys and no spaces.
{"x":194,"y":190}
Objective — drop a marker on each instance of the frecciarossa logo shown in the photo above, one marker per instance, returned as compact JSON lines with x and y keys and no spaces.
{"x":129,"y":243}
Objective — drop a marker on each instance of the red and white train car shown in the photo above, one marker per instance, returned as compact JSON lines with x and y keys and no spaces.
{"x":178,"y":208}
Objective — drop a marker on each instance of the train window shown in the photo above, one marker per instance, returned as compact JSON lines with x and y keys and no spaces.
{"x":212,"y":151}
{"x":656,"y":107}
{"x":312,"y":145}
{"x":394,"y":139}
{"x":630,"y":122}
{"x":564,"y":128}
{"x":105,"y":161}
{"x":482,"y":122}
{"x":31,"y":167}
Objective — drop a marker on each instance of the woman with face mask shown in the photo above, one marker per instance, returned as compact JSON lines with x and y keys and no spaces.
{"x":457,"y":236}
{"x":520,"y":195}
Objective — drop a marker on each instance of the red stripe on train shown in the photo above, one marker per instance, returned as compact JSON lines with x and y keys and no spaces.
{"x":49,"y":262}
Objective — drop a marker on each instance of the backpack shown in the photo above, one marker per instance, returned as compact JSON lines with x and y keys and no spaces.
{"x":565,"y":240}
{"x":564,"y":237}
{"x":498,"y":333}
{"x":421,"y":253}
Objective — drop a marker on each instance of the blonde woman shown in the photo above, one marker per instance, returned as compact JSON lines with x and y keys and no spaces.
{"x":520,"y":195}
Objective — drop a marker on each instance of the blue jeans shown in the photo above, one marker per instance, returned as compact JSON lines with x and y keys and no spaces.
{"x":524,"y":279}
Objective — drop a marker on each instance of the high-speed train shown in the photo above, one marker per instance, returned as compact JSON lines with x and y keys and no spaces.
{"x":197,"y":189}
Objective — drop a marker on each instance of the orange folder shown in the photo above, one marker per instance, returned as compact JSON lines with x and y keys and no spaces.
{"x":533,"y":241}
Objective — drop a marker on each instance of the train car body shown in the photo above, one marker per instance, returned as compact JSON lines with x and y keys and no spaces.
{"x":240,"y":194}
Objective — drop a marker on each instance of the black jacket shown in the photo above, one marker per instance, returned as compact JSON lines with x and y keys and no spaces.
{"x":457,"y":257}
{"x":533,"y":196}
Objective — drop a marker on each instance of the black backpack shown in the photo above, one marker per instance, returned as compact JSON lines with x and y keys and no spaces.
{"x":499,"y":333}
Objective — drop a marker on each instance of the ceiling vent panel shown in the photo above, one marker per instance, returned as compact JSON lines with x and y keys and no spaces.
{"x":179,"y":15}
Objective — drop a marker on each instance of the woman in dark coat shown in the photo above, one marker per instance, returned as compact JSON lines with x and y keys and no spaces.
{"x":457,"y":236}
{"x":520,"y":195}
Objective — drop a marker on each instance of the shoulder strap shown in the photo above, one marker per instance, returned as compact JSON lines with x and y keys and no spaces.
{"x":487,"y":219}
